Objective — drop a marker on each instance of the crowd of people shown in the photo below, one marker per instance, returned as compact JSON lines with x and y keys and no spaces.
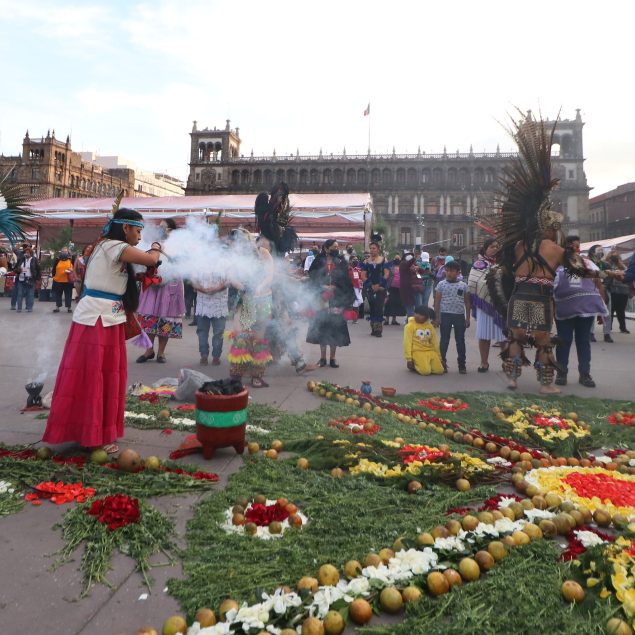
{"x":438,"y":296}
{"x":345,"y":286}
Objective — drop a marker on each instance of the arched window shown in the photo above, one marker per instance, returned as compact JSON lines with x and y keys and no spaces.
{"x":490,"y":176}
{"x":401,"y":176}
{"x":375,"y":176}
{"x":327,"y":177}
{"x":304,"y":177}
{"x":315,"y":177}
{"x":257,"y":177}
{"x":350,"y":176}
{"x":412,"y":176}
{"x":386,"y":176}
{"x":362,"y":177}
{"x":437,"y":176}
{"x":425,"y":176}
{"x":464,"y":178}
{"x":566,"y":145}
{"x":244,"y":177}
{"x":338,"y":176}
{"x":451,"y":177}
{"x":479,"y":176}
{"x":235,"y":177}
{"x":292,"y":177}
{"x":279,"y":176}
{"x":268,"y":177}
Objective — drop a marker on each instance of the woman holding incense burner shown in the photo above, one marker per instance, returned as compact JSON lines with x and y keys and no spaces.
{"x":90,"y":390}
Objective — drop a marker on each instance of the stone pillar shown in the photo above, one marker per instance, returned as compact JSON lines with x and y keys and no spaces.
{"x":390,"y":203}
{"x":396,"y":211}
{"x":448,"y":204}
{"x":441,"y":202}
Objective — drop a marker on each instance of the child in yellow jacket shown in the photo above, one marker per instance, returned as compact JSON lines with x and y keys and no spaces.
{"x":420,"y":343}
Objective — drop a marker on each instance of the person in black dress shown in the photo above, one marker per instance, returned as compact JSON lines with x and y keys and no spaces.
{"x":375,"y":273}
{"x":329,"y":276}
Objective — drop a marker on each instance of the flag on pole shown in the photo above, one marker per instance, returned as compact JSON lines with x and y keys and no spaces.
{"x":367,"y":111}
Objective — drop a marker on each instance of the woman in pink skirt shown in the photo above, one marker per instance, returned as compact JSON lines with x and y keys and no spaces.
{"x":161,"y":310}
{"x":90,"y":389}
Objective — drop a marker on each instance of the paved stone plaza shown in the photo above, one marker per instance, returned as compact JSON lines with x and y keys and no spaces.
{"x":32,"y":344}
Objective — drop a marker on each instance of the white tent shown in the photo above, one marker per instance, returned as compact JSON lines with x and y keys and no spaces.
{"x":621,"y":243}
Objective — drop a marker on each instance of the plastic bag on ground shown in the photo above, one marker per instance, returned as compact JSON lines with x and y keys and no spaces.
{"x":189,"y":382}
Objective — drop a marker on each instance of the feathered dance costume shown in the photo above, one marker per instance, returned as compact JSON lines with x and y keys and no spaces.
{"x":526,"y":301}
{"x":273,"y":218}
{"x":249,"y":352}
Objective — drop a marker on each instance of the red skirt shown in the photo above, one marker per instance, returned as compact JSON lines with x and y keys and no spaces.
{"x":90,"y":390}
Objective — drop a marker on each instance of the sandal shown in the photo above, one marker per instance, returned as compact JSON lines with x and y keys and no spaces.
{"x":110,"y":448}
{"x":160,"y":359}
{"x":142,"y":359}
{"x":258,"y":382}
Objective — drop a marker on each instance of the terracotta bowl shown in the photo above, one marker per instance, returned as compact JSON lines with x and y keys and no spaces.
{"x":221,"y":403}
{"x":388,"y":392}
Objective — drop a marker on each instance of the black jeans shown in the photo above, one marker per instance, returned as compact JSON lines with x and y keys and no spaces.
{"x":448,"y":321}
{"x":618,"y":307}
{"x":376,"y":301}
{"x":65,"y":288}
{"x":580,"y":329}
{"x":190,"y":298}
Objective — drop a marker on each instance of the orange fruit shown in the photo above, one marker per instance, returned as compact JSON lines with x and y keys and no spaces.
{"x":437,"y":583}
{"x":453,"y":577}
{"x":572,"y":591}
{"x":360,"y":611}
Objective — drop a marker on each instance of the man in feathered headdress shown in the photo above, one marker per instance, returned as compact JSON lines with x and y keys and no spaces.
{"x":527,"y":231}
{"x":273,"y":216}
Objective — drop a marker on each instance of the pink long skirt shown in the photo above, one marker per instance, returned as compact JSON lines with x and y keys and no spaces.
{"x":90,"y":389}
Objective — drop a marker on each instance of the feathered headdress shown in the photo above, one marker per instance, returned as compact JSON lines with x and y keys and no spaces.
{"x":15,"y":215}
{"x":526,"y":185}
{"x":273,"y":217}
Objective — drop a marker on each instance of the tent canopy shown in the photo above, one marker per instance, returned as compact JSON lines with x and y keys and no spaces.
{"x":621,"y":243}
{"x":346,"y":217}
{"x":349,"y":206}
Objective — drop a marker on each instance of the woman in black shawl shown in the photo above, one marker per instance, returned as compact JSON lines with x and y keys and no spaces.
{"x":330,"y":279}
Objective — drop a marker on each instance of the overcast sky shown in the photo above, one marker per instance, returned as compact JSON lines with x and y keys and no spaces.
{"x":128,"y":77}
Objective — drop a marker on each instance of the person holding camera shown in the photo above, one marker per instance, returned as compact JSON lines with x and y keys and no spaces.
{"x":27,"y":274}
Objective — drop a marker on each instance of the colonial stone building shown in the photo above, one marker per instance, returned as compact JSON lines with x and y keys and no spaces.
{"x":48,"y":168}
{"x":613,"y":213}
{"x":427,"y":199}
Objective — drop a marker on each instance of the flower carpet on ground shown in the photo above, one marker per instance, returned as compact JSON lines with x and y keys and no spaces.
{"x":454,"y":518}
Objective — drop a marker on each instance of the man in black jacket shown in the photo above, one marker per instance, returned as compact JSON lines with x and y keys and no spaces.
{"x":28,"y":272}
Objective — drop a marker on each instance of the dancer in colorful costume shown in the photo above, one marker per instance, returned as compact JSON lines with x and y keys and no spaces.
{"x":90,"y":390}
{"x":527,"y":232}
{"x":249,"y":352}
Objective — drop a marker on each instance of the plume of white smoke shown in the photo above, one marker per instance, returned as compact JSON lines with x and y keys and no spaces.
{"x":197,"y":253}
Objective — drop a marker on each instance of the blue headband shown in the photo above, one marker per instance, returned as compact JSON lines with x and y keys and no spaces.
{"x":122,"y":221}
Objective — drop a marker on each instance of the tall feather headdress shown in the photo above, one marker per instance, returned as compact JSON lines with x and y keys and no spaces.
{"x":273,"y":218}
{"x":524,"y":198}
{"x":15,"y":214}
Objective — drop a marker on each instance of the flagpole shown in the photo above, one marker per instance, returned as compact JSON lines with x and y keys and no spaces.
{"x":369,"y":126}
